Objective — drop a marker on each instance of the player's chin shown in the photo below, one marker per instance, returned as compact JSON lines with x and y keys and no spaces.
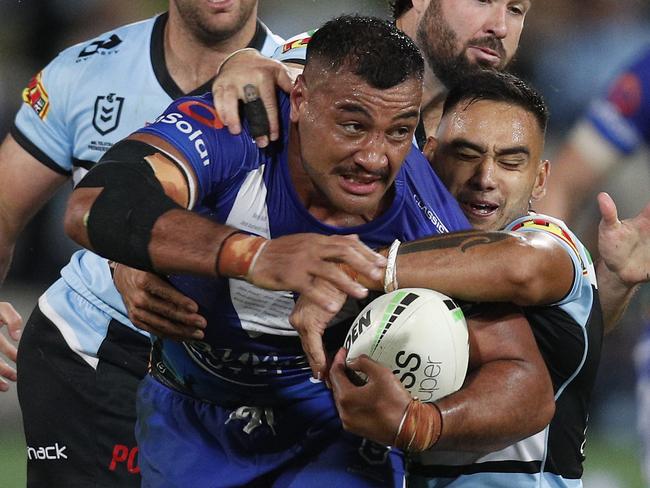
{"x":491,"y":222}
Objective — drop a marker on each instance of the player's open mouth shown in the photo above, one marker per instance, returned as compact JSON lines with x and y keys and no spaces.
{"x":480,"y":209}
{"x":360,"y":184}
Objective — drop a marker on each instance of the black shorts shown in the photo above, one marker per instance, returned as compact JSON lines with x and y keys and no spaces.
{"x":79,"y":421}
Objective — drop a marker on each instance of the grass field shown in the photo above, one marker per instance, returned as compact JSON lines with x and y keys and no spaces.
{"x":609,"y":465}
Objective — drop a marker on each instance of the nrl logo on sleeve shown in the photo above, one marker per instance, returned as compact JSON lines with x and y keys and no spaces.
{"x":36,"y":97}
{"x":107,"y":113}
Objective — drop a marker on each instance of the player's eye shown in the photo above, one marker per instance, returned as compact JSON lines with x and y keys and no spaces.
{"x":467,"y":156}
{"x":400,"y":133}
{"x":512,"y":164}
{"x":352,"y":128}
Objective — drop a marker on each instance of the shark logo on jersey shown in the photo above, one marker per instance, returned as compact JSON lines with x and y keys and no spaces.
{"x":107,"y":113}
{"x":102,"y":47}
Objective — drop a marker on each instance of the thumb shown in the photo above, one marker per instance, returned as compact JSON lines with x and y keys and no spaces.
{"x":367,"y":366}
{"x":607,"y":207}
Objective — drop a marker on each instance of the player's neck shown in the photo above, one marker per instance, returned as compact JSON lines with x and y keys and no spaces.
{"x":190,"y":62}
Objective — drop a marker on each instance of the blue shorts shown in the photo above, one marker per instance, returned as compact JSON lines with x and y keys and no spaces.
{"x":187,"y":442}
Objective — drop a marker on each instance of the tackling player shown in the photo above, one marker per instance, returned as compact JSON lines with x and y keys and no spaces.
{"x":79,"y":352}
{"x":488,"y":153}
{"x":242,"y":401}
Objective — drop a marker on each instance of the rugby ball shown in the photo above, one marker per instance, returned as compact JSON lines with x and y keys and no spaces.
{"x":420,"y":334}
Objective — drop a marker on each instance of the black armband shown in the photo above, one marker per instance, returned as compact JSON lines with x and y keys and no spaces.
{"x":122,"y":217}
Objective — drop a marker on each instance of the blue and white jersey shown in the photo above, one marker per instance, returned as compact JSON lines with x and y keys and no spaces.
{"x":622,"y":117}
{"x":249,"y":342}
{"x":88,"y":98}
{"x":569,"y":336}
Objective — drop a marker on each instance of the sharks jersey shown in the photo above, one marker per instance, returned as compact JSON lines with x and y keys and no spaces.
{"x":623,"y":116}
{"x":73,"y":113}
{"x":250,"y":347}
{"x":569,"y":336}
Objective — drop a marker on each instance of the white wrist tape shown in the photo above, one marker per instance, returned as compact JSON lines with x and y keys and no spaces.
{"x":390,"y":278}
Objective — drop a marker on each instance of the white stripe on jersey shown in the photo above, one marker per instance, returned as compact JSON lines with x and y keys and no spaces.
{"x":67,"y":331}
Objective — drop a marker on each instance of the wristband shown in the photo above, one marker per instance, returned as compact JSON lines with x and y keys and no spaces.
{"x":420,"y":428}
{"x":390,"y":278}
{"x":238,"y":253}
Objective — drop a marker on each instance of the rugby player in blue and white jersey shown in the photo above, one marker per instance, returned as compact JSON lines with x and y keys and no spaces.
{"x":239,"y":408}
{"x":80,"y":353}
{"x":489,"y":154}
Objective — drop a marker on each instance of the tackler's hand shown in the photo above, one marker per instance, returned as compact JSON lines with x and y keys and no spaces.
{"x":251,"y":78}
{"x":12,"y":320}
{"x":156,"y":306}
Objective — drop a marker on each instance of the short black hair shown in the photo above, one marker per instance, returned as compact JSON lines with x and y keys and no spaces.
{"x":372,"y":48}
{"x":398,"y":7}
{"x":498,"y":86}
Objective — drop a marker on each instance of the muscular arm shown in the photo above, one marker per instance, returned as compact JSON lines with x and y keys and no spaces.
{"x":180,"y":241}
{"x":527,"y":268}
{"x":507,"y":395}
{"x":27,"y":185}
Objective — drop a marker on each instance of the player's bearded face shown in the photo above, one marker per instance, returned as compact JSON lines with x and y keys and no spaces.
{"x":489,"y":157}
{"x":447,"y":54}
{"x":215,"y":21}
{"x":353,"y":139}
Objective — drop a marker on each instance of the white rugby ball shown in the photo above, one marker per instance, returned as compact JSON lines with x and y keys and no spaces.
{"x":420,"y":334}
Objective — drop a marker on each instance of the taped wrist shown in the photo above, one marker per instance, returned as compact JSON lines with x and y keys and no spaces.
{"x":420,"y":428}
{"x":238,"y":254}
{"x":122,"y":217}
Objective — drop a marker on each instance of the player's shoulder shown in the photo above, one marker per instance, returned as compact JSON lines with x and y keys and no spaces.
{"x":294,"y":49}
{"x":535,"y":222}
{"x":113,"y":46}
{"x":268,"y":42}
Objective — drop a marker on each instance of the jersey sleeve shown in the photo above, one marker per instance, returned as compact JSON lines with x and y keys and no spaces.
{"x":622,"y":117}
{"x":42,"y":125}
{"x":294,"y":50}
{"x":192,"y":126}
{"x":583,"y":269}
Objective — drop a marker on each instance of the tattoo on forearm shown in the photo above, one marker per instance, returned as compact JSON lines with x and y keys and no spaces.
{"x":461,"y":240}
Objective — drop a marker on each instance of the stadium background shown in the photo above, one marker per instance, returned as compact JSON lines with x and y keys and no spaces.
{"x":570,"y":50}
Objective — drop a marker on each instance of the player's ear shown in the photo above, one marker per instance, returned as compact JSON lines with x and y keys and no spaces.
{"x":430,"y":147}
{"x":297,"y":97}
{"x":420,"y":5}
{"x":543,"y":171}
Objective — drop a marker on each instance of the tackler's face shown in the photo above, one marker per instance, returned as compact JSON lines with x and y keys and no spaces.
{"x":488,"y":155}
{"x":213,"y":21}
{"x":353,"y":137}
{"x":457,"y":35}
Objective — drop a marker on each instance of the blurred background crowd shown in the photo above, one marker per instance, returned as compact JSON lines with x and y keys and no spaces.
{"x":570,"y":50}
